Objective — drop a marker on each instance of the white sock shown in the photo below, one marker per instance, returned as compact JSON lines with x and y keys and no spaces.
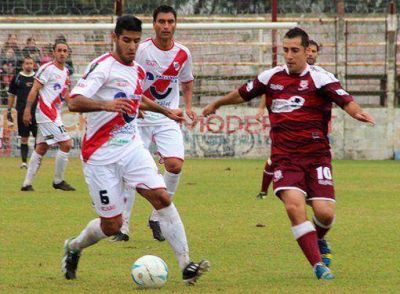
{"x":129,"y":196}
{"x":171,"y":182}
{"x":174,"y":231}
{"x":89,"y":236}
{"x":34,"y":164}
{"x":60,"y":164}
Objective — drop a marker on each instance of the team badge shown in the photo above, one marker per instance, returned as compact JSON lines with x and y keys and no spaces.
{"x":303,"y":85}
{"x":176,"y":65}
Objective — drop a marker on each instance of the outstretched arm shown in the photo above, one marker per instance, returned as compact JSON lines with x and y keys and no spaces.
{"x":229,"y":99}
{"x":355,"y":111}
{"x":174,"y":114}
{"x":81,"y":103}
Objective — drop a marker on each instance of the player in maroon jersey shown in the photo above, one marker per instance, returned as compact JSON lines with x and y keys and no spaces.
{"x":299,"y":102}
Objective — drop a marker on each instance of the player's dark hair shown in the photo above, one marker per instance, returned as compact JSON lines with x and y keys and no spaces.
{"x":297,"y":32}
{"x":58,"y":42}
{"x":312,"y":42}
{"x":163,"y":9}
{"x":127,"y":23}
{"x":28,"y":57}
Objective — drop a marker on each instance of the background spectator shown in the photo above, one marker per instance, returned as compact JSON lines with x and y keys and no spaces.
{"x":31,"y":50}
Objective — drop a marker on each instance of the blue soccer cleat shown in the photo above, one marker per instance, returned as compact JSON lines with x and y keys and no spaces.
{"x":323,"y":272}
{"x":325,"y":250}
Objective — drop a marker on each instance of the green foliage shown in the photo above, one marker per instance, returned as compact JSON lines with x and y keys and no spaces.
{"x":216,"y":199}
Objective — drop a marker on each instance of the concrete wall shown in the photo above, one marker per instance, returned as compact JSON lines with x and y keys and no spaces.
{"x":234,"y":132}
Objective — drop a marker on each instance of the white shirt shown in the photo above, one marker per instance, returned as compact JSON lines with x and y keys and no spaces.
{"x":55,"y":83}
{"x":110,"y":135}
{"x":165,"y":69}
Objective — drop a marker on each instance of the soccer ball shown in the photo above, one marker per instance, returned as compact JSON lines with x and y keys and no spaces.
{"x":149,"y":271}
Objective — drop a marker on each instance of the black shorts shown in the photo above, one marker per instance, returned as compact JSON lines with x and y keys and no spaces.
{"x":24,"y":130}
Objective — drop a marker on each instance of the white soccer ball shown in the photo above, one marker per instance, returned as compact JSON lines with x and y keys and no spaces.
{"x":149,"y":271}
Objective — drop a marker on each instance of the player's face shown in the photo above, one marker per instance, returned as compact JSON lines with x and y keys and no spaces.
{"x":165,"y":25}
{"x":61,"y":53}
{"x":27,"y":66}
{"x":312,"y":54}
{"x":295,"y":55}
{"x":126,"y":45}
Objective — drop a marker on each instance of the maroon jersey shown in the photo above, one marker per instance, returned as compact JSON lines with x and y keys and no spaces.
{"x":299,"y":107}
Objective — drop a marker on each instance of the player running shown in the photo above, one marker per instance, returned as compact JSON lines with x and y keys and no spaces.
{"x":114,"y":156}
{"x":51,"y":85}
{"x":20,"y":86}
{"x":168,"y":64}
{"x":299,"y":102}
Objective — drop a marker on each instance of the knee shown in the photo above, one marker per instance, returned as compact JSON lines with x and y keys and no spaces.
{"x":41,"y":149}
{"x":66,"y":146}
{"x":163,"y":199}
{"x":173,"y":166}
{"x":325,"y":216}
{"x":111,"y":226}
{"x":24,"y":140}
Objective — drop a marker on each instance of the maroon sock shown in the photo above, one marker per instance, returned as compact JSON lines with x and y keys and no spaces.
{"x":308,"y":243}
{"x":267,"y":177}
{"x":320,"y":228}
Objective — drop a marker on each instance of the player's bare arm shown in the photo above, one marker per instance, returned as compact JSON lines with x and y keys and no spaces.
{"x":81,"y":103}
{"x":229,"y":99}
{"x":174,"y":114}
{"x":10,"y":105}
{"x":187,"y":91}
{"x":355,"y":111}
{"x":261,"y":108}
{"x":27,"y":118}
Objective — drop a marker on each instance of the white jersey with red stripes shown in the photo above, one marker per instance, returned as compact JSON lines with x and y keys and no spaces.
{"x":165,"y":69}
{"x":110,"y":135}
{"x":55,"y":83}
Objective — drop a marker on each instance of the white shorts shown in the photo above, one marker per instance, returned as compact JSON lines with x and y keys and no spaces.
{"x":107,"y":182}
{"x":167,"y":138}
{"x":51,"y":133}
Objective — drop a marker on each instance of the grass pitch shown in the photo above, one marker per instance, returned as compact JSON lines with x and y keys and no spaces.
{"x":216,"y":199}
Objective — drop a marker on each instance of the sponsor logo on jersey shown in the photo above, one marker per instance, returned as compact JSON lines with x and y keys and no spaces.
{"x":303,"y":85}
{"x":152,"y":63}
{"x":128,"y":117}
{"x":249,"y":86}
{"x":276,"y":87}
{"x":149,"y":76}
{"x":167,"y":78}
{"x":159,"y":95}
{"x":121,"y":83}
{"x":287,"y":105}
{"x":56,"y":86}
{"x":341,"y":92}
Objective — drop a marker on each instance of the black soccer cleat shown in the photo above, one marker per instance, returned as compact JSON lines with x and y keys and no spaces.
{"x":194,"y":270}
{"x":63,"y":186}
{"x":27,"y":188}
{"x":261,"y":195}
{"x":69,"y":263}
{"x":120,"y":237}
{"x":155,"y":227}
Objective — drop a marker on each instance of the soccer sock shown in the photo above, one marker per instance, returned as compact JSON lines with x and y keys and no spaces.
{"x":322,"y":229}
{"x":89,"y":236}
{"x":305,"y":235}
{"x":126,"y":216}
{"x":60,"y":164}
{"x":34,"y":165}
{"x":267,"y":176}
{"x":24,"y":152}
{"x":174,"y":231}
{"x":171,"y":182}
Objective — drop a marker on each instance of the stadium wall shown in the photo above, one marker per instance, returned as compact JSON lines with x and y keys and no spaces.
{"x":234,"y":132}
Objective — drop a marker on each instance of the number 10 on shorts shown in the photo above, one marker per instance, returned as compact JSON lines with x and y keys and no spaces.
{"x":324,"y":173}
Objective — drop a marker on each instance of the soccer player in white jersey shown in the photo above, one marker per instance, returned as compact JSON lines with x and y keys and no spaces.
{"x":114,"y":156}
{"x":168,"y":65}
{"x":51,"y":85}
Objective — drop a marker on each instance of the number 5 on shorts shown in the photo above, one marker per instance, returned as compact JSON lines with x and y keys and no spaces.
{"x":103,"y":197}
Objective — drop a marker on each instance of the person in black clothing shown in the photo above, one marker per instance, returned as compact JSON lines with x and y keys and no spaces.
{"x":20,"y":87}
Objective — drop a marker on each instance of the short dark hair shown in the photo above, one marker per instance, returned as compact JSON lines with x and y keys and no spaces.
{"x":128,"y":23}
{"x":58,"y":42}
{"x":297,"y":32}
{"x":312,"y":42}
{"x":163,"y":9}
{"x":28,"y":57}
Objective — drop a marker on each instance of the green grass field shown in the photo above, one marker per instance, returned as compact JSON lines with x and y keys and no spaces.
{"x":216,"y":199}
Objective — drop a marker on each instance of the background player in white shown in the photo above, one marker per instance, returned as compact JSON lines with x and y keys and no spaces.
{"x":114,"y":156}
{"x":51,"y":83}
{"x":167,"y":64}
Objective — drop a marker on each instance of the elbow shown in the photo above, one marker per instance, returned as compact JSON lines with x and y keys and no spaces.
{"x":72,"y":107}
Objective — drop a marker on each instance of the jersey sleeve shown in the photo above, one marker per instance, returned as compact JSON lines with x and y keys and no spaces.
{"x":186,"y":75}
{"x":90,"y":83}
{"x":12,"y":88}
{"x":335,"y":93}
{"x":44,"y":74}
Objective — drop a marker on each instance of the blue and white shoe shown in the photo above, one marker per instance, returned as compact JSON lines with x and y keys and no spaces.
{"x":323,"y":272}
{"x":326,"y":253}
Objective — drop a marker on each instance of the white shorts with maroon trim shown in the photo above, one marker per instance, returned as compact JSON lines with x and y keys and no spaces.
{"x":51,"y":133}
{"x":106,"y":182}
{"x":167,"y":138}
